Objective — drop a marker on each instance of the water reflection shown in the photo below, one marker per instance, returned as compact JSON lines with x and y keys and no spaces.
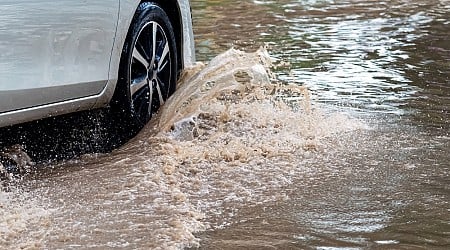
{"x":370,"y":55}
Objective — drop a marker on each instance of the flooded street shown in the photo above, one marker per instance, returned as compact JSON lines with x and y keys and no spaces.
{"x":335,"y":135}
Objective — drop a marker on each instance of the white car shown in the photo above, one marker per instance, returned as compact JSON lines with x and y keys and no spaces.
{"x":64,"y":56}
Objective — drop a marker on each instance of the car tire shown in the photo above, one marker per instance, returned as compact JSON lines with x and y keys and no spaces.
{"x":148,"y":68}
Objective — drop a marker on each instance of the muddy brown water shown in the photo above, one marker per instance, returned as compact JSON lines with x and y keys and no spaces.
{"x":337,"y":140}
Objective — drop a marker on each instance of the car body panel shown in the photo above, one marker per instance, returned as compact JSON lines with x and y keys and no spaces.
{"x":53,"y":51}
{"x":74,"y":87}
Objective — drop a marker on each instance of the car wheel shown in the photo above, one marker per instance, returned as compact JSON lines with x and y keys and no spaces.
{"x":148,"y":67}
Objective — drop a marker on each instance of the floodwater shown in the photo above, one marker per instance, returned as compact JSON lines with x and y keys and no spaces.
{"x":335,"y":136}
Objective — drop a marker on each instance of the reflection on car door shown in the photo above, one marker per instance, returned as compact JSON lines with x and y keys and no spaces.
{"x":54,"y":50}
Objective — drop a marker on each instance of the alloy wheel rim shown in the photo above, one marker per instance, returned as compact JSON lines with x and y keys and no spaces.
{"x":150,"y":70}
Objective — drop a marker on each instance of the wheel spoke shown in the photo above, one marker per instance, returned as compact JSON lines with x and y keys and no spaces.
{"x":143,"y":46}
{"x":140,"y":58}
{"x":159,"y":85}
{"x":161,"y":67}
{"x":137,"y":85}
{"x":154,"y":33}
{"x":162,"y":60}
{"x":150,"y":101}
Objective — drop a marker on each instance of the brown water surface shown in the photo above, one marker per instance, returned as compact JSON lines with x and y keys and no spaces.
{"x":385,"y":62}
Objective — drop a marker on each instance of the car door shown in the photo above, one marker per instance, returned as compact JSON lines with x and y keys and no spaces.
{"x":54,"y":50}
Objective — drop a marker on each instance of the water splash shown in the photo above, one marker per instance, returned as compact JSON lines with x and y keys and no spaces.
{"x":231,"y":136}
{"x":232,"y":133}
{"x":24,"y":220}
